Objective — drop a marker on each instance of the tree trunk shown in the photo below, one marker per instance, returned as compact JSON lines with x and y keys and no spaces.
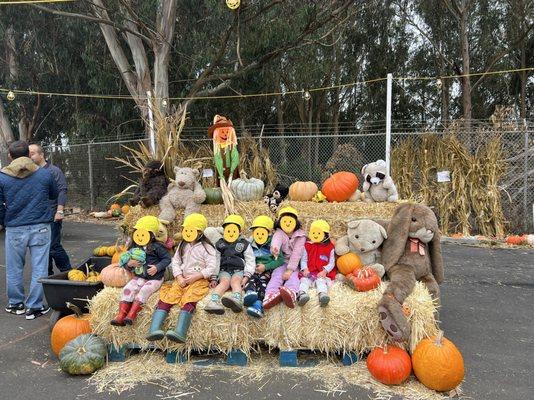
{"x":466,"y":81}
{"x":11,"y":52}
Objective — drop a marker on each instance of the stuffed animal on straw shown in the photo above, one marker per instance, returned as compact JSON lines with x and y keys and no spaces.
{"x":411,"y":253}
{"x":274,"y":199}
{"x":184,"y":192}
{"x":152,"y":185}
{"x":377,"y":184}
{"x":364,"y":237}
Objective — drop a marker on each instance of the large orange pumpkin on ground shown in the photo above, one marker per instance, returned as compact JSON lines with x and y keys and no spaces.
{"x":68,"y":328}
{"x":302,"y":191}
{"x":390,"y":365}
{"x":115,"y":276}
{"x":438,"y":364}
{"x":348,"y":263}
{"x":340,"y":186}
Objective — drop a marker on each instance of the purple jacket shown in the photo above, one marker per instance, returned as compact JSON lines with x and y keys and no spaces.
{"x":292,"y":247}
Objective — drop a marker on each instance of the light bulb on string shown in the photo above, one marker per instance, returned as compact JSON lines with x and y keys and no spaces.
{"x":439,"y":83}
{"x":306,"y":96}
{"x":164,"y":103}
{"x":10,"y":95}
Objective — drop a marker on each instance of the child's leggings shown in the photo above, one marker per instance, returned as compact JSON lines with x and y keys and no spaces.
{"x":320,"y":283}
{"x":140,"y":289}
{"x":277,"y":282}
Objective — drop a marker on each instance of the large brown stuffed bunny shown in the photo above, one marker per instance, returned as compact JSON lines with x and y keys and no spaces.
{"x":411,"y":252}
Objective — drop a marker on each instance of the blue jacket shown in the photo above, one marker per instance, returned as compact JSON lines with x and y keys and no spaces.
{"x":25,"y":194}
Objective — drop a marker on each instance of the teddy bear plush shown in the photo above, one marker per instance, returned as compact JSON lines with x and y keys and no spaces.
{"x":364,"y":237}
{"x":411,"y":253}
{"x":184,"y":192}
{"x":377,"y":184}
{"x":152,"y":185}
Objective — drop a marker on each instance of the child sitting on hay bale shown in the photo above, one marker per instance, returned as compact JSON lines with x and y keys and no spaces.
{"x":289,"y":239}
{"x":147,"y":259}
{"x":262,"y":228}
{"x":192,"y":265}
{"x":318,"y":263}
{"x":235,"y":265}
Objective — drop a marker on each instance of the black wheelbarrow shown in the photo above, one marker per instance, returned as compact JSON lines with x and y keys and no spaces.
{"x":58,"y":290}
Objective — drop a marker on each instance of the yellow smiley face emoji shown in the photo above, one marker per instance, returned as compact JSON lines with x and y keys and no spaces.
{"x":316,"y":235}
{"x":231,"y":233}
{"x":260,"y":235}
{"x":189,"y":234}
{"x":141,"y":237}
{"x":288,"y":223}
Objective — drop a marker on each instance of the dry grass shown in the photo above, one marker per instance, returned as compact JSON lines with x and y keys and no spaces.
{"x":180,"y":380}
{"x":472,"y":200}
{"x":337,"y":214}
{"x":349,"y":323}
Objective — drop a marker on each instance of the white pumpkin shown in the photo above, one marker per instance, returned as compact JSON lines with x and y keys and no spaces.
{"x":530,"y":239}
{"x":246,"y":189}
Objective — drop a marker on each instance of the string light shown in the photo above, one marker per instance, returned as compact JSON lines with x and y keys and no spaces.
{"x":10,"y":96}
{"x":306,"y":95}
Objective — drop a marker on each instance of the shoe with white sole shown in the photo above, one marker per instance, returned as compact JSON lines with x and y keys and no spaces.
{"x":16,"y":309}
{"x":32,"y":313}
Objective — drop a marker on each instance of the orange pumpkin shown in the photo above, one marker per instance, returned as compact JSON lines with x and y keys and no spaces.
{"x":302,"y":191}
{"x":118,"y":252}
{"x":516,"y":240}
{"x":111,"y":250}
{"x":115,"y":206}
{"x":390,"y":365}
{"x":348,"y":263}
{"x":438,"y":364}
{"x":68,"y":328}
{"x":125,"y":209}
{"x":115,"y":276}
{"x":364,"y":279}
{"x":340,"y":186}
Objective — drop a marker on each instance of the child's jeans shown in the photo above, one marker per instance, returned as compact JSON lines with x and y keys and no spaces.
{"x":321,"y":284}
{"x":276,"y":282}
{"x":140,"y":289}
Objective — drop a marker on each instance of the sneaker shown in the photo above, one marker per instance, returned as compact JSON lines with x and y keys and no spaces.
{"x":288,"y":296}
{"x":324,"y":299}
{"x":303,"y":298}
{"x":250,"y":298}
{"x":233,"y":302}
{"x":214,"y":307}
{"x":17,"y":309}
{"x":32,"y":313}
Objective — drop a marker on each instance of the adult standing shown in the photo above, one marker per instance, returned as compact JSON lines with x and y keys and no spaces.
{"x":25,"y":194}
{"x":58,"y":255}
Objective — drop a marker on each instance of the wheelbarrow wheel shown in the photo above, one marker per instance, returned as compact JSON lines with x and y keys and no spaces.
{"x":54,"y":317}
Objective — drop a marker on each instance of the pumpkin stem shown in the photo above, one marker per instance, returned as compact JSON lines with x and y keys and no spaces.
{"x":242,"y":174}
{"x":75,"y":309}
{"x":386,"y":349}
{"x":439,"y":339}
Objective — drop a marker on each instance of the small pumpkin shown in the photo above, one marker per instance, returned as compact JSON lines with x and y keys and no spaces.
{"x":115,"y":206}
{"x":213,"y":196}
{"x":116,"y":213}
{"x":115,"y":276}
{"x":118,"y":252}
{"x":111,"y":250}
{"x":516,"y":240}
{"x":76,"y":275}
{"x":530,"y":240}
{"x":125,"y":209}
{"x":340,"y":186}
{"x":319,"y":197}
{"x":438,"y":364}
{"x":302,"y":191}
{"x":100,"y":251}
{"x":246,"y":189}
{"x":389,"y":365}
{"x":83,"y":355}
{"x":93,"y":278}
{"x":348,"y":263}
{"x":69,"y":327}
{"x":364,"y":279}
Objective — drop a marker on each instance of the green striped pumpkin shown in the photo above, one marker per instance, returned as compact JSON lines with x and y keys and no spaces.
{"x":246,"y":189}
{"x":213,"y":196}
{"x":83,"y":355}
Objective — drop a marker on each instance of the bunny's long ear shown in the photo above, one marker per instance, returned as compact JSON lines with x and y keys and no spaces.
{"x":436,"y":259}
{"x":397,"y":233}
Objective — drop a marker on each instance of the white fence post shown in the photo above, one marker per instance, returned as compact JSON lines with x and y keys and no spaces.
{"x":388,"y":122}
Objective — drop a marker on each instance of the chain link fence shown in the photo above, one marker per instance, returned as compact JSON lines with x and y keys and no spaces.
{"x":303,"y":152}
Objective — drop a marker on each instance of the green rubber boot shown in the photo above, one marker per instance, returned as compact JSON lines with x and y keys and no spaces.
{"x":179,"y":334}
{"x":155,"y":332}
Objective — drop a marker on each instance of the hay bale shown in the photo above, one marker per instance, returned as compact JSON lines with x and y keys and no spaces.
{"x":337,"y":214}
{"x":349,"y":323}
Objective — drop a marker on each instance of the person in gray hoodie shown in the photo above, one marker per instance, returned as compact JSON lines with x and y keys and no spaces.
{"x":25,"y":194}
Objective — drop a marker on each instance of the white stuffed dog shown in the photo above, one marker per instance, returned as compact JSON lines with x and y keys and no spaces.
{"x":364,"y":238}
{"x":377,"y":184}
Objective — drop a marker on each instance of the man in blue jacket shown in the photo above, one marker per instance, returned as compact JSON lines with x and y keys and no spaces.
{"x":25,"y":194}
{"x":57,"y":252}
